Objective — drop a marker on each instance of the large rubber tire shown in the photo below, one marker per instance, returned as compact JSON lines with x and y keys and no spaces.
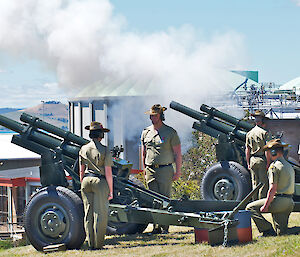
{"x":54,"y":215}
{"x":226,"y":180}
{"x":121,"y":228}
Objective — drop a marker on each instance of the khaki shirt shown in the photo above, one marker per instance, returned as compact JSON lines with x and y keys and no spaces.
{"x":256,"y":139}
{"x":282,"y":173}
{"x":159,"y":144}
{"x":97,"y":154}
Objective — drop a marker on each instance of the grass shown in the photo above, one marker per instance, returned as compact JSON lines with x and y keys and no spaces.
{"x":179,"y":242}
{"x":6,"y":244}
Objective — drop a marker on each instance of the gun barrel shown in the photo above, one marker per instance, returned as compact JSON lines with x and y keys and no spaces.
{"x":67,"y":135}
{"x":11,"y":124}
{"x":226,"y":117}
{"x":187,"y":111}
{"x":201,"y":126}
{"x":41,"y":138}
{"x":217,"y":125}
{"x":53,"y":143}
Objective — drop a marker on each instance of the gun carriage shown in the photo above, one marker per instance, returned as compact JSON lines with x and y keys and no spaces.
{"x":228,"y":179}
{"x":54,"y":214}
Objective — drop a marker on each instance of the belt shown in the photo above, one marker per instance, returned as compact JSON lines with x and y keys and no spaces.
{"x":284,"y":195}
{"x":256,"y":155}
{"x":156,"y":166}
{"x":89,"y":174}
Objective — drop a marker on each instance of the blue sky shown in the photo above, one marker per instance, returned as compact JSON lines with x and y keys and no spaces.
{"x":270,"y":27}
{"x":36,"y":64}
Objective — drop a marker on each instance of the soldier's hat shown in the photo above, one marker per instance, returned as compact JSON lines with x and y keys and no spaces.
{"x":156,"y":109}
{"x":96,"y":126}
{"x":274,"y":143}
{"x":259,"y":113}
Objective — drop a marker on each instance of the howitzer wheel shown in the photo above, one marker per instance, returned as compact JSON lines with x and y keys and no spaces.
{"x":226,"y":181}
{"x":54,"y":215}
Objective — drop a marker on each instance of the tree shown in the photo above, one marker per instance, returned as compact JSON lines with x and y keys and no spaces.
{"x":196,"y":160}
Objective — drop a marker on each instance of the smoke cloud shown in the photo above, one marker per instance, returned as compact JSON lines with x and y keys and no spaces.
{"x":297,"y":2}
{"x":84,"y":42}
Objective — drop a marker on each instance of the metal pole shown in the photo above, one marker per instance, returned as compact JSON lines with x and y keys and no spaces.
{"x":43,"y":102}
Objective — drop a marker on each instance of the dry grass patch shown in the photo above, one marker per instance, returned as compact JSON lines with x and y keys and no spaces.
{"x":180,"y":242}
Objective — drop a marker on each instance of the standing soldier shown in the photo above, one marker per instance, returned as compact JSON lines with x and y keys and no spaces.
{"x":95,"y":163}
{"x":160,"y":149}
{"x":256,"y":138}
{"x":279,"y":201}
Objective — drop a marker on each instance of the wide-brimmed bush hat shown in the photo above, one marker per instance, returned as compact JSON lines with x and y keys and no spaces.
{"x":156,"y":109}
{"x":95,"y":125}
{"x":274,"y":143}
{"x":259,"y":113}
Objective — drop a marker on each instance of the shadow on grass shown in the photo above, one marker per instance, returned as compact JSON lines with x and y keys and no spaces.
{"x":147,"y":239}
{"x":294,"y":231}
{"x":291,"y":231}
{"x":142,"y":240}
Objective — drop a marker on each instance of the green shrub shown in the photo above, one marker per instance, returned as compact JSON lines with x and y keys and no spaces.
{"x":195,"y":161}
{"x":6,"y":244}
{"x":186,"y":188}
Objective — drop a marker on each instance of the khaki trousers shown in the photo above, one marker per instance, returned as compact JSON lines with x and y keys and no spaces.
{"x":94,"y":192}
{"x":280,"y":208}
{"x":258,"y":169}
{"x":160,"y":181}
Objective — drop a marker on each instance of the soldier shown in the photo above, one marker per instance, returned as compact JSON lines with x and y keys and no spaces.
{"x":95,"y":163}
{"x":160,"y":149}
{"x":256,"y":138}
{"x":279,"y":200}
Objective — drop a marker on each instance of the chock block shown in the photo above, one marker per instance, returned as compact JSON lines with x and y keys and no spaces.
{"x":54,"y":248}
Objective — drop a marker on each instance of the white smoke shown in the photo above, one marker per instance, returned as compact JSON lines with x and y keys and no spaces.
{"x":84,"y":42}
{"x":297,"y":2}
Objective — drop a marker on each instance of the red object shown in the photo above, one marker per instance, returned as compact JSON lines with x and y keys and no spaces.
{"x":133,"y":171}
{"x":201,"y":235}
{"x":19,"y":182}
{"x":244,"y":234}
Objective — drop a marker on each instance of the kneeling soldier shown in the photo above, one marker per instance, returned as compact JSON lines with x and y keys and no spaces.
{"x":279,"y":200}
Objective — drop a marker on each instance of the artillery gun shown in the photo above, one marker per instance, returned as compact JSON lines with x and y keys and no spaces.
{"x":54,"y":214}
{"x":228,"y":179}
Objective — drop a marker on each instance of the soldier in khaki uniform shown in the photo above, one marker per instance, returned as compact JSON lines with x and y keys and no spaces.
{"x":95,"y":163}
{"x":160,"y":149}
{"x":256,"y":138}
{"x":279,"y":200}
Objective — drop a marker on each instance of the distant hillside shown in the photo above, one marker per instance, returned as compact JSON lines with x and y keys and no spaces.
{"x":52,"y":112}
{"x":6,"y":110}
